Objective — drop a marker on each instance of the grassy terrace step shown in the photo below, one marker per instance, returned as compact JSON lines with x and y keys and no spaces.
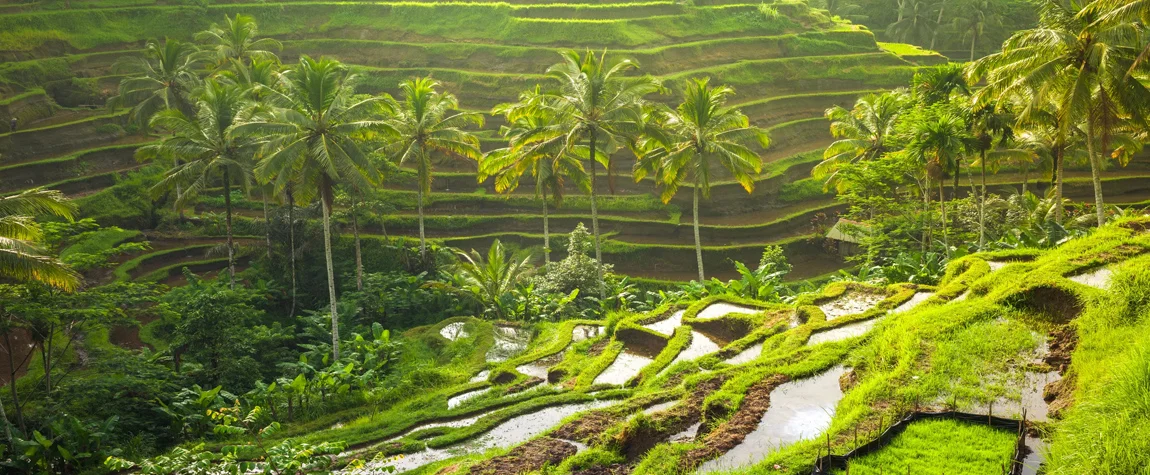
{"x":639,"y":231}
{"x":111,"y":28}
{"x":753,"y":79}
{"x":81,"y":164}
{"x":533,"y":60}
{"x":775,"y":111}
{"x":39,"y":143}
{"x":676,"y":262}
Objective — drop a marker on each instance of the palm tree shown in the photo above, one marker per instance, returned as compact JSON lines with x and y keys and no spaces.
{"x":991,"y":133}
{"x":310,"y":144}
{"x":862,"y":132}
{"x":685,"y":144}
{"x":238,"y":40}
{"x":938,"y":143}
{"x":205,"y":147}
{"x":978,"y":15}
{"x":535,"y":146}
{"x":599,"y":107}
{"x":160,"y":79}
{"x":1114,"y":13}
{"x":1081,"y":64}
{"x":425,"y":123}
{"x":22,"y":259}
{"x":491,"y":278}
{"x":915,"y":24}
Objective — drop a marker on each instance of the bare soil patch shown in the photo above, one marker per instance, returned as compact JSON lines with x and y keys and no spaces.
{"x":746,"y":419}
{"x":529,"y":457}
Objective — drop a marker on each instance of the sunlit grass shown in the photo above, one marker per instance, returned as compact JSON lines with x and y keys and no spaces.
{"x":940,"y":446}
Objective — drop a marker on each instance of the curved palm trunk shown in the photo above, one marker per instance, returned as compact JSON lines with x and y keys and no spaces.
{"x":358,"y":254}
{"x":595,"y":224}
{"x":326,"y":205}
{"x":937,"y":24}
{"x":973,"y":39}
{"x":926,"y":219}
{"x":1025,"y":177}
{"x":698,"y":242}
{"x":228,"y":226}
{"x":1095,"y":174}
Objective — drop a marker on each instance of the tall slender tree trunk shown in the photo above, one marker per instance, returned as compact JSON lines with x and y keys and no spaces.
{"x":937,"y":26}
{"x":927,"y":224}
{"x":291,"y":242}
{"x":942,"y":209}
{"x":7,"y":427}
{"x":422,"y":237}
{"x":982,"y":206}
{"x":546,"y":233}
{"x":228,"y":226}
{"x":267,"y":223}
{"x":1095,"y":173}
{"x":325,"y":199}
{"x":698,"y":242}
{"x":595,"y":223}
{"x":1025,"y":177}
{"x":358,"y":253}
{"x":1058,"y":159}
{"x":973,"y":40}
{"x":12,"y":381}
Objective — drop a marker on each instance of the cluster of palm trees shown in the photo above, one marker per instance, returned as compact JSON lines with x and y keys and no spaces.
{"x":1073,"y":86}
{"x":234,"y":116}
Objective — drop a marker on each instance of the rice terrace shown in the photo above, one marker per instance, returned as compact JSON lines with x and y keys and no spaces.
{"x":575,"y":237}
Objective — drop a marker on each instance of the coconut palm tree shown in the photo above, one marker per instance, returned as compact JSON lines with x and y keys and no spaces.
{"x":22,"y":259}
{"x":205,"y":147}
{"x":938,"y":144}
{"x":685,"y":145}
{"x":162,"y":78}
{"x":599,"y":107}
{"x":992,"y":140}
{"x":238,"y":40}
{"x":975,"y":18}
{"x":425,"y":124}
{"x":490,"y":279}
{"x":915,"y":23}
{"x":310,"y":144}
{"x":535,"y":146}
{"x":863,"y":133}
{"x":1080,"y":63}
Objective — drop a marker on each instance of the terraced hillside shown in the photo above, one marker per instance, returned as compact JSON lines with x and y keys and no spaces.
{"x":788,"y":63}
{"x":1010,"y":360}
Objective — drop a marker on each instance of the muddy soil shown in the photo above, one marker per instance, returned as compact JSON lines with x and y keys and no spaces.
{"x":528,"y":457}
{"x":1059,"y":305}
{"x":529,"y":383}
{"x":745,"y":420}
{"x":614,"y":469}
{"x":670,"y":422}
{"x":641,"y":342}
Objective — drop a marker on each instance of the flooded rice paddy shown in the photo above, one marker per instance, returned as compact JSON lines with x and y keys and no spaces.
{"x":719,"y":309}
{"x":799,"y":410}
{"x":699,"y":347}
{"x":1098,"y":278}
{"x":746,"y":356}
{"x":850,"y":303}
{"x":453,"y":331}
{"x":585,"y":332}
{"x":625,"y":367}
{"x":667,"y":325}
{"x":918,"y":298}
{"x":457,"y":400}
{"x":509,"y":341}
{"x":841,"y":333}
{"x":513,"y":431}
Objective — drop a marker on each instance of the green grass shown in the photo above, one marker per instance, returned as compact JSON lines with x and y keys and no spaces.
{"x":100,"y":240}
{"x":940,"y":446}
{"x":904,"y":49}
{"x":124,"y":271}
